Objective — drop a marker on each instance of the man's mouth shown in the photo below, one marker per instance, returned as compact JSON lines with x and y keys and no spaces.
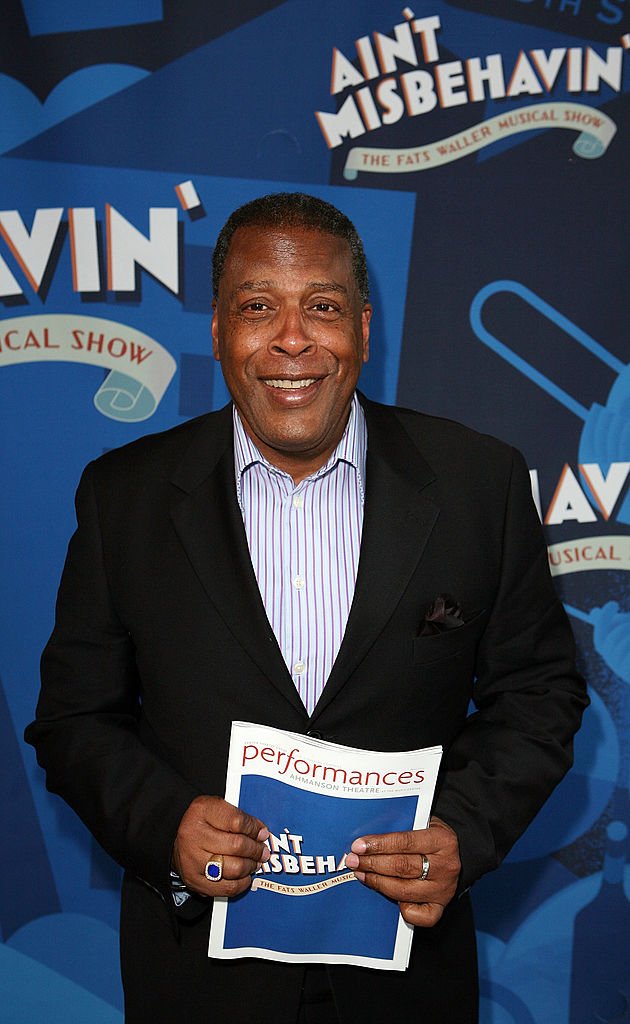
{"x":290,"y":385}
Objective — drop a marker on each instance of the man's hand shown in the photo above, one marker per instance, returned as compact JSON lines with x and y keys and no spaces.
{"x":392,"y":864}
{"x":212,"y":827}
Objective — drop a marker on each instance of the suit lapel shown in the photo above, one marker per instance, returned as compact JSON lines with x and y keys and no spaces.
{"x":209,"y":524}
{"x":397,"y":523}
{"x":398,"y":520}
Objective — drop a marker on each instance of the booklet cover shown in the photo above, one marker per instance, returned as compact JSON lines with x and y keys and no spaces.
{"x":316,"y":798}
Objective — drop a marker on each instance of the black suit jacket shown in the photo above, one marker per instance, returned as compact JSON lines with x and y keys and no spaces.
{"x":161,"y":641}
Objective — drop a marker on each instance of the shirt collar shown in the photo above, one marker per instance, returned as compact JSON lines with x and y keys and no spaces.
{"x":352,"y":449}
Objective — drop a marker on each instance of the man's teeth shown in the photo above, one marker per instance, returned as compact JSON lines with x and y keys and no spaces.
{"x":290,"y":385}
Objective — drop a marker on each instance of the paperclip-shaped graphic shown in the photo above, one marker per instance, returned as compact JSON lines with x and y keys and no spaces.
{"x":605,"y":436}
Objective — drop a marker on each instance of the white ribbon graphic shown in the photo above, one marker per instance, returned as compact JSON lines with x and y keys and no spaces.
{"x":596,"y":132}
{"x":140,"y":368}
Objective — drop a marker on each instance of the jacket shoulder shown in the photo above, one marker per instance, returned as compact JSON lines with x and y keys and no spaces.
{"x":441,"y":440}
{"x":162,"y":452}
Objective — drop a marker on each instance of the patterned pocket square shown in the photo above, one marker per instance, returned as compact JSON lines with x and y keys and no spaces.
{"x":443,"y":613}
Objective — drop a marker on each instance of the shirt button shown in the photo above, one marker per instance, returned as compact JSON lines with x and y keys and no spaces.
{"x":299,"y":668}
{"x":298,"y":582}
{"x":298,"y":500}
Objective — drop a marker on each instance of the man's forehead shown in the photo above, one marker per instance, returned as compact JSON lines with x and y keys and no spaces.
{"x":263,"y":257}
{"x":264,"y":241}
{"x":264,"y":283}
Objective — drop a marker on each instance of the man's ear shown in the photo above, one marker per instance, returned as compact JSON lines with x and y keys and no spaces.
{"x":366,"y":316}
{"x":214,"y":328}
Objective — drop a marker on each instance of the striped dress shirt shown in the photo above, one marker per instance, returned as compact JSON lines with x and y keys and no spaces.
{"x":304,"y":545}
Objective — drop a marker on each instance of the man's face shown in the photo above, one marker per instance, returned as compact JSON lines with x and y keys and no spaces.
{"x":291,"y":334}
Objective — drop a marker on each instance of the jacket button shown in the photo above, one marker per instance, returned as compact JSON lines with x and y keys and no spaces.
{"x":316,"y":734}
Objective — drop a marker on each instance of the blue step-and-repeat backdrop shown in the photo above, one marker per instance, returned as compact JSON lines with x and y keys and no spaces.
{"x":482,"y":149}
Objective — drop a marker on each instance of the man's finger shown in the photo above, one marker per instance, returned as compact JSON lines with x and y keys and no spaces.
{"x":227,"y":818}
{"x":425,"y":840}
{"x":231,"y":844}
{"x":403,"y":890}
{"x":231,"y":867}
{"x":224,"y":887}
{"x":422,"y":915}
{"x":391,"y":842}
{"x":211,"y":828}
{"x":213,"y":824}
{"x":192,"y":871}
{"x":400,"y":865}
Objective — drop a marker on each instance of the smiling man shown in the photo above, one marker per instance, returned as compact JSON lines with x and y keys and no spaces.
{"x":289,"y":560}
{"x":291,"y":331}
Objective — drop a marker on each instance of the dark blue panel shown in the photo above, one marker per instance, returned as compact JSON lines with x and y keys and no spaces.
{"x":27,"y":887}
{"x":44,"y":17}
{"x":197,"y":289}
{"x":196,"y":374}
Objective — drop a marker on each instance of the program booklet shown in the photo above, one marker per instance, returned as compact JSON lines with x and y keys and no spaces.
{"x":316,"y":798}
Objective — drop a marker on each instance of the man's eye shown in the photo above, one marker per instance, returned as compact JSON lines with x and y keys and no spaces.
{"x":255,"y":307}
{"x":325,"y":307}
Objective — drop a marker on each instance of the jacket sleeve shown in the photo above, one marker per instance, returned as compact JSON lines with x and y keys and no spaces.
{"x":529,"y":699}
{"x":86,"y":727}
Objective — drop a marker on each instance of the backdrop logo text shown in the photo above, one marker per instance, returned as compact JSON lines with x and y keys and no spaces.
{"x":380,"y":91}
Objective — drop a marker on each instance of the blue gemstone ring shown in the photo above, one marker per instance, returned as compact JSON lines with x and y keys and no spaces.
{"x":214,"y":868}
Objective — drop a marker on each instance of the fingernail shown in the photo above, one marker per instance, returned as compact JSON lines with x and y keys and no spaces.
{"x":263,"y":834}
{"x":359,"y":846}
{"x":352,"y":860}
{"x":266,"y":854}
{"x":360,"y":875}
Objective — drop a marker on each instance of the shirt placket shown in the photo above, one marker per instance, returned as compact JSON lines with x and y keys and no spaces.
{"x":297,"y":640}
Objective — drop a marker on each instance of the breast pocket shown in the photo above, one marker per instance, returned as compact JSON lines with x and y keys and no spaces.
{"x":449,"y":643}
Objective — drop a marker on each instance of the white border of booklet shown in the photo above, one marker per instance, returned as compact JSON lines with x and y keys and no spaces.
{"x":251,"y":748}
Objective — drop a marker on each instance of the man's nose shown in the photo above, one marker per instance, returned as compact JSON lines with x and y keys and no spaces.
{"x":291,"y":336}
